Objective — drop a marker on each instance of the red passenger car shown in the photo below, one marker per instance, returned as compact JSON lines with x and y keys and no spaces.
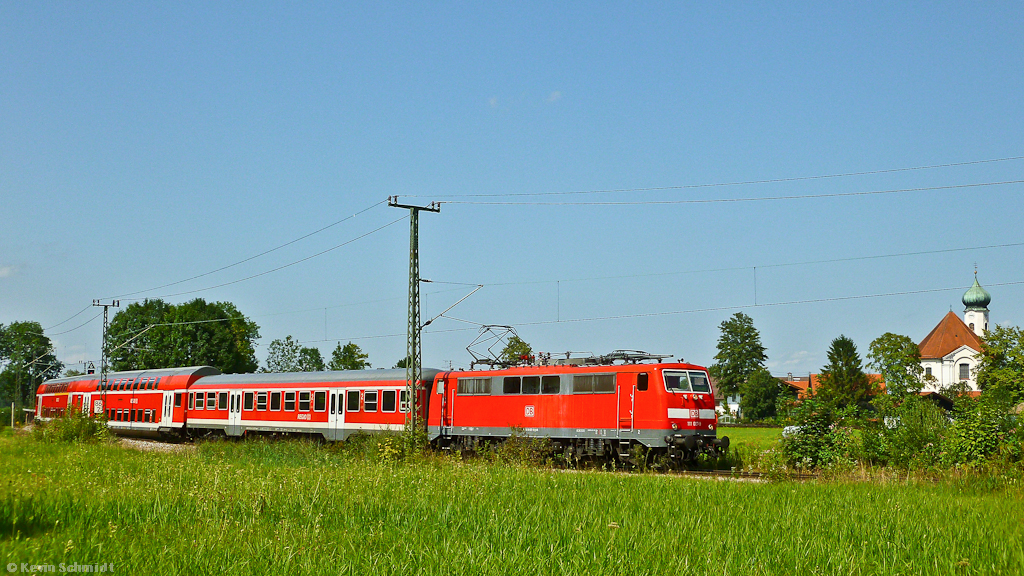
{"x":141,"y":402}
{"x":585,"y":410}
{"x":334,"y":405}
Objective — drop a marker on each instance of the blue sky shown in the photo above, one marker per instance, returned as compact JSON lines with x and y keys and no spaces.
{"x":142,"y":144}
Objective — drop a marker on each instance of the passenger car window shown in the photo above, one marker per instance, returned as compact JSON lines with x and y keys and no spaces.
{"x":222,"y":401}
{"x":247,"y":401}
{"x":289,"y":401}
{"x":275,"y":400}
{"x":303,"y":401}
{"x":352,"y":402}
{"x":320,"y":401}
{"x":387,"y":401}
{"x":261,"y":400}
{"x":370,"y":401}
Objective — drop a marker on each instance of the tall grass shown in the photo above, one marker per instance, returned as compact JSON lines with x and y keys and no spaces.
{"x":306,"y":508}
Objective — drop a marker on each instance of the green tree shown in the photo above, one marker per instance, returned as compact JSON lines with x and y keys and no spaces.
{"x":310,"y":360}
{"x":842,"y":381}
{"x":283,"y":355}
{"x":403,"y":363}
{"x":154,"y":334}
{"x":26,"y":359}
{"x":740,"y":354}
{"x":759,"y":395}
{"x":898,"y":359}
{"x":1001,"y":371}
{"x":349,"y":357}
{"x":516,"y":351}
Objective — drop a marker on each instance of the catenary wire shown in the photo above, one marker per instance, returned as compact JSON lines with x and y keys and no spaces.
{"x":77,"y":314}
{"x":282,"y":267}
{"x":733,"y":200}
{"x":724,"y":184}
{"x":264,"y":253}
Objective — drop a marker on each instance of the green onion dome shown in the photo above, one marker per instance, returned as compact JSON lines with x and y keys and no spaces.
{"x":977,"y":298}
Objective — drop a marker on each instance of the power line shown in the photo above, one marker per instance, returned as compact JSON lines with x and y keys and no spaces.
{"x":264,"y":273}
{"x":264,"y":253}
{"x":731,"y":200}
{"x":738,"y":183}
{"x":77,"y":327}
{"x":734,"y":268}
{"x":77,"y":314}
{"x":680,"y":312}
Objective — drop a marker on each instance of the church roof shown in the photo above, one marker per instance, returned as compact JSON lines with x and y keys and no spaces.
{"x":950,"y":334}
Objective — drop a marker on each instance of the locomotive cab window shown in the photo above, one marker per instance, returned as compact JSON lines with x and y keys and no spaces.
{"x":531,"y":384}
{"x":641,"y":381}
{"x":676,"y":381}
{"x":699,"y":382}
{"x":247,"y":401}
{"x":352,"y":401}
{"x":387,"y":401}
{"x":550,"y":384}
{"x":320,"y":401}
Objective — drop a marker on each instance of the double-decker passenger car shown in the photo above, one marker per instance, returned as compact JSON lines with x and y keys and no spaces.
{"x":142,"y":402}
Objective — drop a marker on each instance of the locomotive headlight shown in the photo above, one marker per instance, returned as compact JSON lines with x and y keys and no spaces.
{"x":675,"y":426}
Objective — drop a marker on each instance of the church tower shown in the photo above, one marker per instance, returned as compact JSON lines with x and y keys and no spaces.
{"x":976,"y":301}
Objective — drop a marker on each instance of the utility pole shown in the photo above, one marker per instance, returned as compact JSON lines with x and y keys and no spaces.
{"x":414,"y":348}
{"x":103,"y":349}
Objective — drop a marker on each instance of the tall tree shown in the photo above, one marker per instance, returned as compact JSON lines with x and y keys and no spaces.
{"x":26,"y":358}
{"x":898,"y":359}
{"x":759,"y":395}
{"x":740,"y":353}
{"x":349,"y":357}
{"x":842,"y":381}
{"x":1001,"y":371}
{"x":154,"y":334}
{"x":516,"y":351}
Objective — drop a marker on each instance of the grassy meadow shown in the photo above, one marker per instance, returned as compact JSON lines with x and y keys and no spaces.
{"x":302,"y":508}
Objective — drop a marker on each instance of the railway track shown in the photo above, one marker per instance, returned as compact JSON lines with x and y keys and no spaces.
{"x":740,"y":475}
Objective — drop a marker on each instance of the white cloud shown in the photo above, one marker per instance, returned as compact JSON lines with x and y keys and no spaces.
{"x":798,"y":358}
{"x":6,"y":271}
{"x":555,"y":96}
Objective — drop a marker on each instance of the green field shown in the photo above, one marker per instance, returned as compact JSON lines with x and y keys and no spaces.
{"x":299,"y":508}
{"x":751,"y":438}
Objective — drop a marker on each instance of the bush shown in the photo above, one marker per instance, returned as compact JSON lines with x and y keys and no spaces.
{"x":980,"y":429}
{"x":907,"y":433}
{"x":74,"y":426}
{"x":818,"y":437}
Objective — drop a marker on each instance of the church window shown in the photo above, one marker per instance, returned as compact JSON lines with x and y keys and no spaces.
{"x":972,"y":326}
{"x":965,"y":371}
{"x":928,"y":371}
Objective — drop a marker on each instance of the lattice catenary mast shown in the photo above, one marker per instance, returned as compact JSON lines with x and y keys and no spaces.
{"x":414,"y":351}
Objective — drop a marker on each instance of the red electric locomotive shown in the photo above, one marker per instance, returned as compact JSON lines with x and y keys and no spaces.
{"x":584,"y":409}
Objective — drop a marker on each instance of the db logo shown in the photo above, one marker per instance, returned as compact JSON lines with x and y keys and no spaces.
{"x":528,"y":412}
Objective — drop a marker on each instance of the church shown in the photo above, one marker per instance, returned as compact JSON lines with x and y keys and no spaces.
{"x":949,"y":352}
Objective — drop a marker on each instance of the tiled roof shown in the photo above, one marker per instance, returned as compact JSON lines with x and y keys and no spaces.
{"x":950,"y":334}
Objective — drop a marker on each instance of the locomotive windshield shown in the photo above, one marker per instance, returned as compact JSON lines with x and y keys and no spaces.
{"x":683,"y":381}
